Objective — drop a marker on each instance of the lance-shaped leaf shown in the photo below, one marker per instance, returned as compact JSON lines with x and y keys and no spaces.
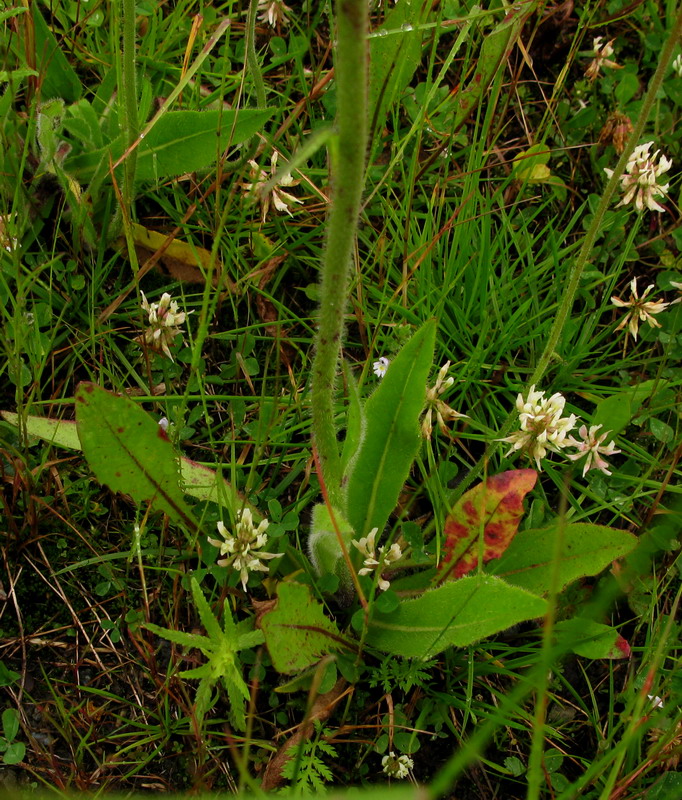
{"x":392,"y":436}
{"x":456,"y":613}
{"x":198,"y":480}
{"x":592,"y":639}
{"x":297,"y":632}
{"x":585,"y":550}
{"x":187,"y":141}
{"x":483,"y":522}
{"x":129,"y":452}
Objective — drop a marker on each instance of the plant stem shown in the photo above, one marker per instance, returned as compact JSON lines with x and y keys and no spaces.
{"x":251,"y":57}
{"x":130,"y":121}
{"x":348,"y":162}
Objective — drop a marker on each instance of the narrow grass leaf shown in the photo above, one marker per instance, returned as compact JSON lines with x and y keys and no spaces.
{"x":392,"y":435}
{"x":586,"y":550}
{"x":457,"y":613}
{"x":494,"y":49}
{"x":128,"y":451}
{"x":492,"y":511}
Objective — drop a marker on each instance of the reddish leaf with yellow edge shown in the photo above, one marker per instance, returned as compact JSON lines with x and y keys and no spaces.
{"x":484,"y":521}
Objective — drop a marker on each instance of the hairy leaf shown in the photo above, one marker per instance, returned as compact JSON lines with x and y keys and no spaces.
{"x":586,"y":550}
{"x":197,"y":480}
{"x":297,"y":632}
{"x":484,"y":521}
{"x":392,"y":435}
{"x":128,"y":451}
{"x":323,"y":544}
{"x":457,"y":613}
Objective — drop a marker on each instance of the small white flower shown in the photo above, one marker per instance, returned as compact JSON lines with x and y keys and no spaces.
{"x":590,"y":445}
{"x":396,"y":766}
{"x":677,"y":65}
{"x":280,"y":199}
{"x":602,"y":52}
{"x":243,"y":548}
{"x":656,"y":701}
{"x":639,"y":181}
{"x":377,"y":561}
{"x":437,"y":411}
{"x":163,"y":424}
{"x":164,"y":319}
{"x":543,"y":428}
{"x":379,"y":367}
{"x":273,"y":12}
{"x":7,"y":240}
{"x":641,"y":310}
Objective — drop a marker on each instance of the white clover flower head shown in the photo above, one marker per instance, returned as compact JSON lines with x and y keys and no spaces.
{"x":590,"y":446}
{"x":396,"y":766}
{"x":602,"y":53}
{"x":273,"y":12}
{"x":380,"y":366}
{"x":639,"y":181}
{"x":542,"y":428}
{"x":437,"y":411}
{"x":377,"y":561}
{"x":677,"y":65}
{"x":640,"y":309}
{"x":164,"y":319}
{"x":243,"y":547}
{"x":280,"y":199}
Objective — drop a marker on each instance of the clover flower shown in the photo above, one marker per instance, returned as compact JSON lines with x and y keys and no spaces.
{"x":280,"y":200}
{"x":377,"y":561}
{"x":639,"y":181}
{"x":379,"y":367}
{"x":590,"y":445}
{"x":437,"y":411}
{"x":617,"y":129}
{"x":164,"y":319}
{"x":542,"y":428}
{"x":601,"y":58}
{"x":273,"y":12}
{"x":641,"y":310}
{"x":677,"y":65}
{"x":243,"y":548}
{"x":396,"y":766}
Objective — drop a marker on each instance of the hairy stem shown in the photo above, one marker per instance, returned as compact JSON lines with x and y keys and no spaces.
{"x":348,"y":162}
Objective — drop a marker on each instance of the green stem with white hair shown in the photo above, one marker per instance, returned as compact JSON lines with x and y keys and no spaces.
{"x":348,"y":152}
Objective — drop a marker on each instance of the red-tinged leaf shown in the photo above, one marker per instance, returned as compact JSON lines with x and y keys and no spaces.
{"x":492,"y":508}
{"x":592,"y":639}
